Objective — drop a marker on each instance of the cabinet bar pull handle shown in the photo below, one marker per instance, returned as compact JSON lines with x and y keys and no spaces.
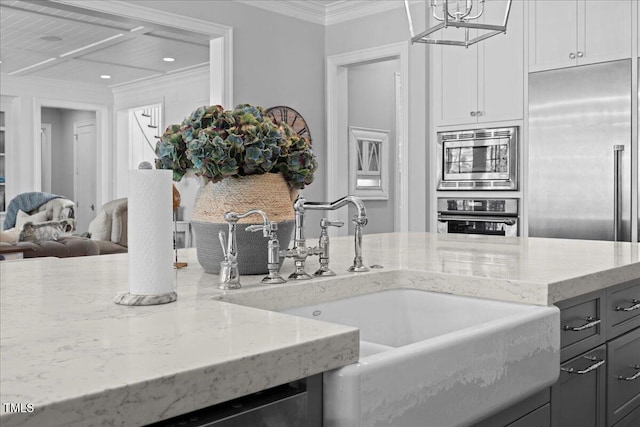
{"x":635,"y":306}
{"x":591,"y":323}
{"x":631,"y":378}
{"x":593,"y":367}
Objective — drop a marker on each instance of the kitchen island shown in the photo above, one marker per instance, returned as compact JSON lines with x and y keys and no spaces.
{"x":70,"y":356}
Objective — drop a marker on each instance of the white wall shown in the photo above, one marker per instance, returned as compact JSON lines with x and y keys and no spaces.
{"x":383,"y":29}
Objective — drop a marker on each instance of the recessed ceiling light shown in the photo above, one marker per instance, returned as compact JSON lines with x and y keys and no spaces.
{"x":168,"y":59}
{"x":51,"y":38}
{"x":105,"y":76}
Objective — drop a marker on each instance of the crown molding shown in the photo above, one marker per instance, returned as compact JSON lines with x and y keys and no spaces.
{"x":325,"y":14}
{"x":344,"y":11}
{"x":306,"y":10}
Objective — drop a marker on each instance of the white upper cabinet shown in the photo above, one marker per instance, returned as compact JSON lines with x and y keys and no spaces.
{"x":483,"y":83}
{"x":566,"y":33}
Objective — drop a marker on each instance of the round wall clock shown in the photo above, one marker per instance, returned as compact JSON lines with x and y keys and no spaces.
{"x":291,"y":117}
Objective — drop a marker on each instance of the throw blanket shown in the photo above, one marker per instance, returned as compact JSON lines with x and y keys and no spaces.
{"x":25,"y":202}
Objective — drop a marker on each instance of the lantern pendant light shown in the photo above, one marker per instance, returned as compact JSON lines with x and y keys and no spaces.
{"x":463,"y":15}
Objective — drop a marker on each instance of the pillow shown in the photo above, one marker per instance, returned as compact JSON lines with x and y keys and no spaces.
{"x":10,"y":236}
{"x":23,"y":217}
{"x":45,"y":231}
{"x":100,"y":227}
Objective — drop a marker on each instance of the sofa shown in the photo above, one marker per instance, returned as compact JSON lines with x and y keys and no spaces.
{"x":107,"y":232}
{"x":109,"y":228}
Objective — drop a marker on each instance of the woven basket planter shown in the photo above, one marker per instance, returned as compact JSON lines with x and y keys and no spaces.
{"x":268,"y":192}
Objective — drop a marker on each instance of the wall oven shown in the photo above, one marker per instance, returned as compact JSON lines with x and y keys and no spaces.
{"x":478,"y":216}
{"x":480,"y":159}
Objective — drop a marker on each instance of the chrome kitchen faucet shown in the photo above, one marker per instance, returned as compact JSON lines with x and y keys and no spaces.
{"x":299,"y":252}
{"x":229,"y":275}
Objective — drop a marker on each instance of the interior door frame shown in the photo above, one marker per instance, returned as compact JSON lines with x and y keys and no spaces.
{"x":336,"y":96}
{"x":103,"y":151}
{"x":45,"y":131}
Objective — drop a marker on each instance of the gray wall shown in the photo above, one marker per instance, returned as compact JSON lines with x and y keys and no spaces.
{"x":371,"y":99}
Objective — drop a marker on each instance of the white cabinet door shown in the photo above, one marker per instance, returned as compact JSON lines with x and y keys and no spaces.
{"x":501,"y":71}
{"x":485,"y":82}
{"x":459,"y":85}
{"x":566,"y":33}
{"x":553,"y":33}
{"x":607,"y":31}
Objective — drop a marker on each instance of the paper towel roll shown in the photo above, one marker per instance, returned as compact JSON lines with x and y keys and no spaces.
{"x":150,"y":228}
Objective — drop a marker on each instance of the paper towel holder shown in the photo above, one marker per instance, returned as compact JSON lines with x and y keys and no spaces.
{"x":128,"y":298}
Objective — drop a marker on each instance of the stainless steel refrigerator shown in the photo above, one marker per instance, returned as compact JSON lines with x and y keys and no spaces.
{"x":580,"y":152}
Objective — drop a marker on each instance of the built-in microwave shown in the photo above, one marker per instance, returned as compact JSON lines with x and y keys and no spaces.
{"x":479,"y":159}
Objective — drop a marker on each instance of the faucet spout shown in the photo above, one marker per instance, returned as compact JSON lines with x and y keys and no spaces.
{"x":361,"y":217}
{"x":299,"y":252}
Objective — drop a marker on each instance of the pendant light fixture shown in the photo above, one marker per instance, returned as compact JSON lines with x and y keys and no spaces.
{"x":462,"y":15}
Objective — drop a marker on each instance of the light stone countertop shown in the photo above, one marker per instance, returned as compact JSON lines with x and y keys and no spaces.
{"x":80,"y":359}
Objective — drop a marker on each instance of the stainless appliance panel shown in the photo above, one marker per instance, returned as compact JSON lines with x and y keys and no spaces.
{"x":576,"y":118}
{"x":481,"y":159}
{"x":478,"y":216}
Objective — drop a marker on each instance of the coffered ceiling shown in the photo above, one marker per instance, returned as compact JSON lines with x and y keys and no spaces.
{"x":53,"y":40}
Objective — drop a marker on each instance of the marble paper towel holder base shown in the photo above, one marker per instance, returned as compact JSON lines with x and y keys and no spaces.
{"x":126,"y":298}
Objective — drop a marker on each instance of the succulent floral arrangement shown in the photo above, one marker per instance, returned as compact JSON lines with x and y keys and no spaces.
{"x":216,"y":143}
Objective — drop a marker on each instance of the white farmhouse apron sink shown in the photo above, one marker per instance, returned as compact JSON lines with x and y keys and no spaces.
{"x":438,"y":360}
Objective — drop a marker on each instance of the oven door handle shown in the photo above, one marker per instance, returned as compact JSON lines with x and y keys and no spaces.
{"x":507,"y":221}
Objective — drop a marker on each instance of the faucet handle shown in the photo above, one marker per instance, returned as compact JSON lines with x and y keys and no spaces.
{"x":255,"y":227}
{"x":267,"y":229}
{"x":325,"y":223}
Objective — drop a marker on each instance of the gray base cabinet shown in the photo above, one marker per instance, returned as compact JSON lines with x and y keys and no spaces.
{"x":599,"y":383}
{"x":578,"y":398}
{"x":623,"y":376}
{"x":532,"y":412}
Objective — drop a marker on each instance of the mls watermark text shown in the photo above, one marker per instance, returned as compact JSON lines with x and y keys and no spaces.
{"x":13,"y":408}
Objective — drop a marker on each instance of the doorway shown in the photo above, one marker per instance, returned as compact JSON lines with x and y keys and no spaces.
{"x":67,"y":151}
{"x":371,"y":141}
{"x":342,"y":93}
{"x":145,"y":128}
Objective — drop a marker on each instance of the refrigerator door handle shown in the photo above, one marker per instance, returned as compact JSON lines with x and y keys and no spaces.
{"x":617,"y":187}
